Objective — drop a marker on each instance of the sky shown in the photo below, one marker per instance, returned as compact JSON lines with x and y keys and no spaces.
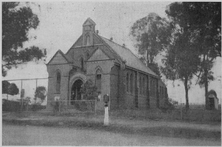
{"x":61,"y":25}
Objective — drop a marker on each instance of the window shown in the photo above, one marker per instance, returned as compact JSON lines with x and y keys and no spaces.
{"x":154,"y":88}
{"x":144,"y":89}
{"x":98,"y":80}
{"x":127,"y":82}
{"x":131,"y":83}
{"x":163,"y":92}
{"x":140,"y":84}
{"x":58,"y":82}
{"x":82,"y":62}
{"x":151,"y":87}
{"x":152,"y":82}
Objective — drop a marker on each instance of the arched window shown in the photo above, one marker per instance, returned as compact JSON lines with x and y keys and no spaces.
{"x":163,"y":92}
{"x":98,"y":79}
{"x":82,"y":62}
{"x":127,"y":82}
{"x":58,"y":82}
{"x":140,"y":84}
{"x":144,"y":92}
{"x":154,"y":88}
{"x":131,"y":83}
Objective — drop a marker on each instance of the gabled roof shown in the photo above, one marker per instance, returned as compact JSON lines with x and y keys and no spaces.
{"x":59,"y":52}
{"x":128,"y":56}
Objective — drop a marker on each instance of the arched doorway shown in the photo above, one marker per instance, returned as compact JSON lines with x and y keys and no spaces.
{"x":75,"y":91}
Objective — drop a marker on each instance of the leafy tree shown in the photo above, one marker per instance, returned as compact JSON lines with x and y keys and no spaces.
{"x":206,"y":21}
{"x":29,"y":53}
{"x":89,"y":90}
{"x":17,"y":20}
{"x":13,"y":89}
{"x":202,"y":22}
{"x":181,"y":63}
{"x":151,"y":35}
{"x":5,"y":85}
{"x":40,"y":92}
{"x":182,"y":58}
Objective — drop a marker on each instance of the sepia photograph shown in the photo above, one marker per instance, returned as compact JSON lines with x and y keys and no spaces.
{"x":111,"y":73}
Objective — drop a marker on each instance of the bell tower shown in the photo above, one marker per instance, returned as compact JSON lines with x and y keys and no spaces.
{"x":87,"y":32}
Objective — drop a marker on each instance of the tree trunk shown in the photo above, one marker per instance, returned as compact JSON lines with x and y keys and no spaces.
{"x":186,"y":93}
{"x":206,"y":86}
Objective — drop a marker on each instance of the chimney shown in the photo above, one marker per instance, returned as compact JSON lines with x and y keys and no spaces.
{"x":111,"y":39}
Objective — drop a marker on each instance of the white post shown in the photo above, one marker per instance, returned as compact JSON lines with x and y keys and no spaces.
{"x":106,"y":117}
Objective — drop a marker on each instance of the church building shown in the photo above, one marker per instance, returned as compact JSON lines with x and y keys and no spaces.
{"x":113,"y":68}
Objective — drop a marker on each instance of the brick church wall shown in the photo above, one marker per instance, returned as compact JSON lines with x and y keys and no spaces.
{"x":105,"y":66}
{"x":52,"y":70}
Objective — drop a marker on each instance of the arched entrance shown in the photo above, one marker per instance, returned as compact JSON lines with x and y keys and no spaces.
{"x":75,"y":91}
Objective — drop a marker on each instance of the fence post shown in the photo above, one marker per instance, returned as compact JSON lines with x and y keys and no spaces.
{"x":36,"y":82}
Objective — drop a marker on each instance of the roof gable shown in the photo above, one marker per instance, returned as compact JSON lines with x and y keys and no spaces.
{"x":58,"y":58}
{"x":98,"y":55}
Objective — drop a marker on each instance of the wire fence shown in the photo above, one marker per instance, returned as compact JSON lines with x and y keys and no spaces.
{"x":75,"y":106}
{"x":56,"y":106}
{"x":26,"y":101}
{"x":27,"y":88}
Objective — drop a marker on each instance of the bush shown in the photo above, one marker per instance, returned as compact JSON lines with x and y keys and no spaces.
{"x":13,"y":89}
{"x":5,"y":85}
{"x":11,"y":106}
{"x":40,"y":92}
{"x":37,"y":107}
{"x":89,"y":90}
{"x":169,"y":105}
